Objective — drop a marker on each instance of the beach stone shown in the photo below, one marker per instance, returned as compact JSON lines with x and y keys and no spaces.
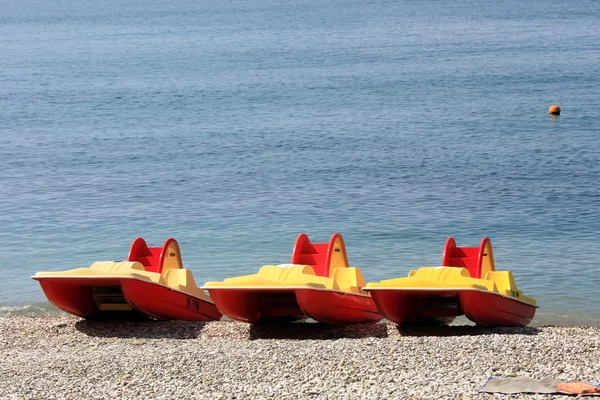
{"x":66,"y":357}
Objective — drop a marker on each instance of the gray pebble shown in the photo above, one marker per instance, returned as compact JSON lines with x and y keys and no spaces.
{"x":65,"y":357}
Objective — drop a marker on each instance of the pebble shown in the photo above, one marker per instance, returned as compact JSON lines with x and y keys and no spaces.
{"x":71,"y":358}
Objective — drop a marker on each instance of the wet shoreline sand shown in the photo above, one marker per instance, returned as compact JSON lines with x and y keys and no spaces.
{"x":67,"y":357}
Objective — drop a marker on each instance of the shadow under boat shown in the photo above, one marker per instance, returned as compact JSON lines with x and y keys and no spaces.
{"x":316,"y":331}
{"x":432,"y":330}
{"x":141,"y":330}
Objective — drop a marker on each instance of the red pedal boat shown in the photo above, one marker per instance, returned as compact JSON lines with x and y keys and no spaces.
{"x":319,"y":284}
{"x":466,"y":283}
{"x":151,"y":283}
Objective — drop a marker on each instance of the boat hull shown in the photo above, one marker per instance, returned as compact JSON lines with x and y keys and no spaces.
{"x":490,"y":309}
{"x":124,"y":298}
{"x":256,"y":305}
{"x":164,"y":303}
{"x":406,"y":306}
{"x":335,"y":307}
{"x":76,"y":296}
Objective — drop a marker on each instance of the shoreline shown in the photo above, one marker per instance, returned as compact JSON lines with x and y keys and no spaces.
{"x":68,"y":357}
{"x":542,"y":318}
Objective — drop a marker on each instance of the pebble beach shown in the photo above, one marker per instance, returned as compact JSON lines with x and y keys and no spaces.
{"x":70,"y":358}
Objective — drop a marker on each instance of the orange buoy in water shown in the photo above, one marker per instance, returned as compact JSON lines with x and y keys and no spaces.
{"x":554,"y":110}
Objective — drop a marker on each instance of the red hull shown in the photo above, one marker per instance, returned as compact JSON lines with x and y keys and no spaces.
{"x":490,"y":309}
{"x":76,"y":296}
{"x":335,"y":307}
{"x":164,"y":303}
{"x":426,"y":306}
{"x":257,"y":305}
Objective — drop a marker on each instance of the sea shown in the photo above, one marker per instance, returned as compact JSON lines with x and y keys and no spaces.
{"x":234,"y":126}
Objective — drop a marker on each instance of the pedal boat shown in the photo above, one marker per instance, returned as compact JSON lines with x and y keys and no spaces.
{"x":151,"y":283}
{"x":319,"y":283}
{"x":466,"y":283}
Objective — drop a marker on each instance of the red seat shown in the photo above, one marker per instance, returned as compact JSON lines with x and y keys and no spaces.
{"x":471,"y":258}
{"x":152,"y":258}
{"x":319,"y":255}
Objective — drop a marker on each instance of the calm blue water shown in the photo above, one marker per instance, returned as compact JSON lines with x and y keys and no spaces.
{"x":235,"y":126}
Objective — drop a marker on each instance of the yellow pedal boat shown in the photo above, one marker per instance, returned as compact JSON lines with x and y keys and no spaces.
{"x":319,"y":283}
{"x":466,"y":283}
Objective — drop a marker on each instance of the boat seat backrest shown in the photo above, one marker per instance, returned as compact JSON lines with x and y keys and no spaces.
{"x":156,"y":259}
{"x":324,"y":258}
{"x":477,"y":260}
